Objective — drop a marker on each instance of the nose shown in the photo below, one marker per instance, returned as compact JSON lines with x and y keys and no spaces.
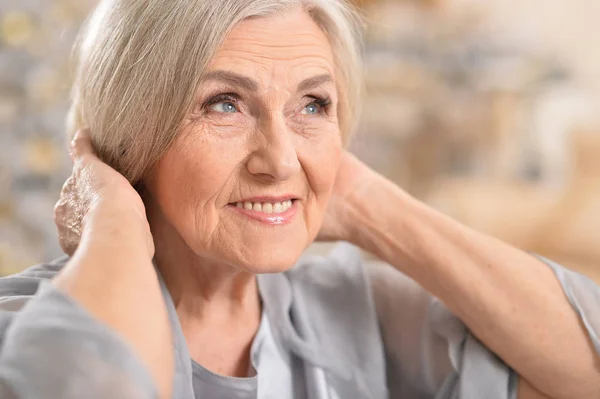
{"x":275,"y":158}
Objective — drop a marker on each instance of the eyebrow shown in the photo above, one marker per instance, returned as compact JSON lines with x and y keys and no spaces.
{"x":250,"y":84}
{"x":315,"y":81}
{"x":232,"y":78}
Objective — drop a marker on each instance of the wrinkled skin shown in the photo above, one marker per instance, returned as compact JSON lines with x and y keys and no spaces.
{"x":91,"y":182}
{"x":269,"y":146}
{"x":258,"y":134}
{"x":91,"y":179}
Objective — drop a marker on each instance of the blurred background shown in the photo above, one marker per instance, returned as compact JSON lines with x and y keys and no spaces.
{"x":486,"y":109}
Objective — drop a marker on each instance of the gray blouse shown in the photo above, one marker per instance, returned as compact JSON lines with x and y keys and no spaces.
{"x":332,"y":328}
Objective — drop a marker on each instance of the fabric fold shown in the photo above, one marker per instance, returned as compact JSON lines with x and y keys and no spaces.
{"x":55,"y":349}
{"x":583,"y":295}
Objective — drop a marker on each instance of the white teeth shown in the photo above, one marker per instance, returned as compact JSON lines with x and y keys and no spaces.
{"x":265,"y":207}
{"x":287,"y":205}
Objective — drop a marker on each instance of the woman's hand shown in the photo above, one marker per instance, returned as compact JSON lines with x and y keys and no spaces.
{"x":353,"y":181}
{"x":102,"y":223}
{"x":94,"y":187}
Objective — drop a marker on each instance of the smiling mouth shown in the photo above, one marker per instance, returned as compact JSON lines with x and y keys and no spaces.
{"x":270,"y":213}
{"x":266,"y":207}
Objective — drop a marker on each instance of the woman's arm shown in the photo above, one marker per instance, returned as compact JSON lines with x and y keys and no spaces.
{"x":53,"y":348}
{"x":527,"y":391}
{"x":510,"y":300}
{"x":111,"y":273}
{"x":112,"y":277}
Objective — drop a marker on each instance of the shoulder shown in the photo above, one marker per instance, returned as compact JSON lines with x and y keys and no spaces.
{"x":338,"y":280}
{"x":331,"y":297}
{"x":16,"y":289}
{"x":342,"y":266}
{"x":345,"y":269}
{"x":335,"y":293}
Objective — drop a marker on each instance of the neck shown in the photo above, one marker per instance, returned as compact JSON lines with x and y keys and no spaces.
{"x":201,"y":288}
{"x":216,"y":303}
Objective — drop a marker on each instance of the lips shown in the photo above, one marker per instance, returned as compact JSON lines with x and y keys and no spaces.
{"x":269,"y":212}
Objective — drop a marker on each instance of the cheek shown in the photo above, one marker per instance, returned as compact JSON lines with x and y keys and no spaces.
{"x":188,"y":183}
{"x":320,"y":159}
{"x":226,"y":126}
{"x":320,"y":164}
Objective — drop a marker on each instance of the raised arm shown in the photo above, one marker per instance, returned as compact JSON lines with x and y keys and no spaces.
{"x":111,"y":272}
{"x":100,"y":328}
{"x":510,"y":300}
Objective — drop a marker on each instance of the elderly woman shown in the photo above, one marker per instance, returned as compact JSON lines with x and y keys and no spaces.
{"x":223,"y":123}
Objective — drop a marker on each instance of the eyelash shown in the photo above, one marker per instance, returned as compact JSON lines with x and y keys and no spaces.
{"x":223,"y":97}
{"x":322,"y":102}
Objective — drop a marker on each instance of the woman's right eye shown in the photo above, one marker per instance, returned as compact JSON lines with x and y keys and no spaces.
{"x":224,"y":106}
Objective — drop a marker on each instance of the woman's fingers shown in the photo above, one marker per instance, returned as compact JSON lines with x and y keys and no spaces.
{"x":66,"y":217}
{"x":74,"y":198}
{"x":81,"y":144}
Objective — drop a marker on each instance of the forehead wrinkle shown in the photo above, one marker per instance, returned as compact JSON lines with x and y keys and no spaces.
{"x":262,"y":66}
{"x":300,"y":28}
{"x":298,"y":33}
{"x":269,"y":43}
{"x":274,"y":77}
{"x":295,"y":54}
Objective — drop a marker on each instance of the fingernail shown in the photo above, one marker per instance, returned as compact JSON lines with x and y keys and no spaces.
{"x":75,"y":136}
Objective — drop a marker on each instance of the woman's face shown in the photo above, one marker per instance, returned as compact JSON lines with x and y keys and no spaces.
{"x":249,"y":177}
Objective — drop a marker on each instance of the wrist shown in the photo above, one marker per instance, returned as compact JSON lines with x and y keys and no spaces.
{"x":375,"y":211}
{"x":118,"y":227}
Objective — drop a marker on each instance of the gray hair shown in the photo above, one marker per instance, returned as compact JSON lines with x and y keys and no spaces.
{"x":139,"y":62}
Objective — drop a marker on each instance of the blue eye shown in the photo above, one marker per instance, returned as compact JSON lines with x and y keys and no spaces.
{"x":224,"y":106}
{"x":312,"y":109}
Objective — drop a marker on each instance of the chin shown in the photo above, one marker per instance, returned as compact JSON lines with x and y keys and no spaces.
{"x":271,"y":258}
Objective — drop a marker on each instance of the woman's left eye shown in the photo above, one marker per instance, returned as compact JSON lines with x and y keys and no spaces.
{"x":317,"y":106}
{"x":224,"y":106}
{"x":312,"y":109}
